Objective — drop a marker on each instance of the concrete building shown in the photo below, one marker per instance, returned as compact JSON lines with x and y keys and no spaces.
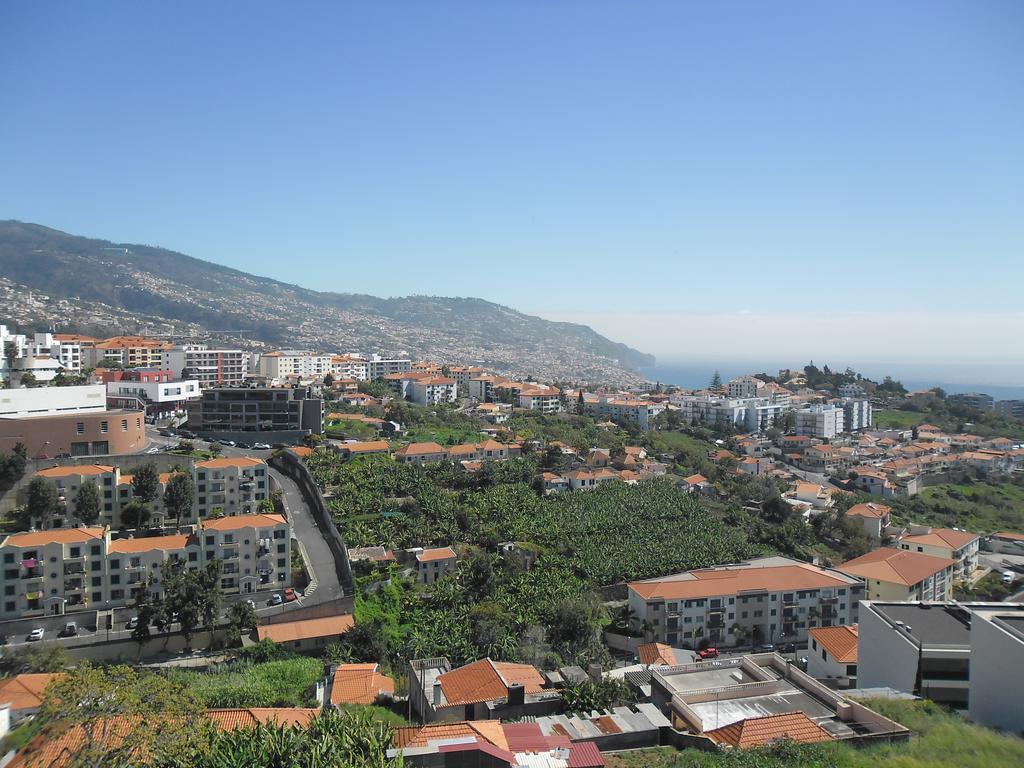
{"x":623,"y":410}
{"x":832,"y":654}
{"x":874,"y":517}
{"x":378,"y":367}
{"x":1010,"y":409}
{"x":282,"y":366}
{"x":307,"y":635}
{"x":420,"y":453}
{"x":274,"y":413}
{"x":540,"y":398}
{"x":68,"y":421}
{"x":126,"y":352}
{"x":210,"y":367}
{"x":929,"y":649}
{"x":950,"y":543}
{"x":978,"y":401}
{"x":744,"y":387}
{"x":822,"y":421}
{"x":857,"y":415}
{"x":433,"y":390}
{"x":895,"y":574}
{"x":852,"y":390}
{"x":1005,"y":543}
{"x":234,"y":485}
{"x":61,"y":571}
{"x":770,"y":599}
{"x":433,"y":564}
{"x":151,"y":390}
{"x":754,"y":700}
{"x":349,"y":367}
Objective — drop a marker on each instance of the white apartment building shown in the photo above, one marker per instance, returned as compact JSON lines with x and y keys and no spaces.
{"x":822,"y":421}
{"x":624,"y":409}
{"x":126,"y":351}
{"x":857,"y":415}
{"x":157,"y":398}
{"x":431,"y":390}
{"x":235,"y":485}
{"x":896,"y":574}
{"x":210,"y":367}
{"x":284,"y":364}
{"x":539,"y":398}
{"x":61,"y":571}
{"x":949,"y":543}
{"x":770,"y":599}
{"x":349,"y":367}
{"x":378,"y":367}
{"x":66,"y":351}
{"x":744,"y":386}
{"x":851,"y":390}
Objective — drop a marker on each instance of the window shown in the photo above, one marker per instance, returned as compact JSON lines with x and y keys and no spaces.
{"x":80,"y":428}
{"x":76,"y":552}
{"x":851,"y":670}
{"x":94,"y":550}
{"x":104,"y":427}
{"x":8,"y":557}
{"x":97,"y":581}
{"x":124,"y":425}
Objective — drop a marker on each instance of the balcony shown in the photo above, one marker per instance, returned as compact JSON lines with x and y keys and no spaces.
{"x":715,"y":622}
{"x":72,"y":568}
{"x":73,"y":586}
{"x":32,"y":573}
{"x":829,"y":601}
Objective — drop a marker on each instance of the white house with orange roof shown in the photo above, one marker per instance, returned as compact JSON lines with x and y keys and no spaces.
{"x":541,"y":398}
{"x":433,"y":390}
{"x":770,"y":599}
{"x":897,"y":574}
{"x":832,"y":654}
{"x":434,"y":563}
{"x":420,"y":453}
{"x":951,"y":543}
{"x":874,"y":517}
{"x":818,"y":496}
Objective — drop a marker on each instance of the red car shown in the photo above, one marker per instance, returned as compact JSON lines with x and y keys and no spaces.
{"x":709,"y":653}
{"x":289,"y":595}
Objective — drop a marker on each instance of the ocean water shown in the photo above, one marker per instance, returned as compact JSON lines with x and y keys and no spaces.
{"x":1002,"y":381}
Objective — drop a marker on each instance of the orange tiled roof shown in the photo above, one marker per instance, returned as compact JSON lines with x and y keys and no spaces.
{"x":369,"y":446}
{"x":231,"y":461}
{"x":869,"y":509}
{"x":305,"y":629}
{"x":490,"y":731}
{"x":657,"y":653}
{"x":896,"y":566}
{"x":942,"y":537}
{"x":55,"y":536}
{"x":439,"y":553}
{"x":25,"y":691}
{"x":757,"y":731}
{"x":840,"y":642}
{"x":303,"y":451}
{"x":234,"y":522}
{"x":148,"y":544}
{"x":359,"y":684}
{"x":487,"y":680}
{"x":419,"y":449}
{"x":712,"y":582}
{"x":74,"y":471}
{"x":250,"y":717}
{"x":1009,"y":535}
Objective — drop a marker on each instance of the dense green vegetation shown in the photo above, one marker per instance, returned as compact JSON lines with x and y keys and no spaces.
{"x":940,"y":740}
{"x":979,"y":506}
{"x":288,"y":682}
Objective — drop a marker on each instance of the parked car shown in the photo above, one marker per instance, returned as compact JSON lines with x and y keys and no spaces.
{"x":766,"y":648}
{"x":165,"y":432}
{"x":155,"y":449}
{"x":789,"y":648}
{"x":36,"y":634}
{"x":228,"y":442}
{"x":1008,"y":577}
{"x":275,"y":600}
{"x":261,"y":446}
{"x":132,"y":623}
{"x":70,"y":630}
{"x":709,"y":653}
{"x":289,"y":595}
{"x":244,"y":445}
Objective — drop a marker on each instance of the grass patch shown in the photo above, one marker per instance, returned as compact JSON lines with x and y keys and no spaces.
{"x":898,"y":419}
{"x":444,"y":434}
{"x":284,"y":683}
{"x":977,"y":506}
{"x":940,"y":739}
{"x":382,"y":714}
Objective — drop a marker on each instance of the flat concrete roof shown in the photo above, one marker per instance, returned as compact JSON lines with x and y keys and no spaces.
{"x":718,"y":714}
{"x":934,"y":624}
{"x":682,"y":682}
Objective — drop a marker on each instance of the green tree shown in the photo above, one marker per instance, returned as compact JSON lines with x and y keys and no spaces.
{"x":145,"y":613}
{"x":216,"y":449}
{"x":135,"y":514}
{"x":192,"y":593}
{"x":34,"y":658}
{"x":42,"y":501}
{"x":328,"y":381}
{"x":29,"y":380}
{"x":716,"y":382}
{"x":88,"y":503}
{"x":146,"y":482}
{"x":179,"y":496}
{"x":166,"y":718}
{"x":242,"y":618}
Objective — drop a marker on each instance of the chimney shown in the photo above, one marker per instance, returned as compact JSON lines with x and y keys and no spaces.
{"x":516,"y":694}
{"x":437,"y":694}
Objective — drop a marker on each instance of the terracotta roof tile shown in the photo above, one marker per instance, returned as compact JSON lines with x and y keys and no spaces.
{"x":757,"y":731}
{"x":438,"y":553}
{"x":730,"y":581}
{"x":235,"y":522}
{"x":25,"y":691}
{"x":231,"y":461}
{"x":85,"y":470}
{"x":359,"y":684}
{"x":487,"y":680}
{"x":657,"y":653}
{"x":870,"y":509}
{"x":306,"y":629}
{"x":942,"y":537}
{"x":896,"y":566}
{"x":840,"y":642}
{"x":54,"y":536}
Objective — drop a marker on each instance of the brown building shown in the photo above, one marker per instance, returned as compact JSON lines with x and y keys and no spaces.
{"x":83,"y":433}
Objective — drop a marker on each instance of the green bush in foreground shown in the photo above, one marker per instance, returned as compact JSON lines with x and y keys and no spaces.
{"x":284,"y":683}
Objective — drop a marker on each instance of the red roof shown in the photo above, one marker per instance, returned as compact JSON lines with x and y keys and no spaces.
{"x":359,"y":684}
{"x":487,"y":680}
{"x":757,"y":731}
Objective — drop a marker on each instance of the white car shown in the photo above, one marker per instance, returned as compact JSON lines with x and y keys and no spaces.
{"x":275,"y":600}
{"x":36,"y":634}
{"x":261,"y":446}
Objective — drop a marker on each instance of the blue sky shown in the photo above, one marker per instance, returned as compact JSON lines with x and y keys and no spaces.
{"x":576,"y":159}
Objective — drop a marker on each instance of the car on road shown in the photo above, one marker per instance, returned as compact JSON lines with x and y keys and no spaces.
{"x":70,"y":630}
{"x":36,"y":634}
{"x":289,"y":595}
{"x":261,"y":446}
{"x":766,"y":648}
{"x":789,"y":648}
{"x":165,"y":432}
{"x":188,"y":435}
{"x":1008,"y":577}
{"x":132,"y":623}
{"x":155,"y":449}
{"x":243,"y":445}
{"x":230,"y":443}
{"x":275,"y":600}
{"x":709,"y":653}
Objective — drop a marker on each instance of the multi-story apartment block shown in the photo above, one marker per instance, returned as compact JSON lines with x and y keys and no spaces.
{"x":210,"y":367}
{"x":463,"y":373}
{"x":233,"y":410}
{"x":857,"y":415}
{"x":824,"y":421}
{"x":543,"y":399}
{"x":294,"y":364}
{"x":433,"y":390}
{"x":896,"y":574}
{"x":63,"y":570}
{"x":482,"y":387}
{"x":744,"y":386}
{"x":624,"y":410}
{"x":126,"y":351}
{"x":234,"y":485}
{"x":66,"y":350}
{"x":378,"y":367}
{"x":979,"y":401}
{"x":1010,"y":409}
{"x":949,"y":543}
{"x":852,"y":390}
{"x":349,"y":367}
{"x":153,"y":390}
{"x":769,"y":599}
